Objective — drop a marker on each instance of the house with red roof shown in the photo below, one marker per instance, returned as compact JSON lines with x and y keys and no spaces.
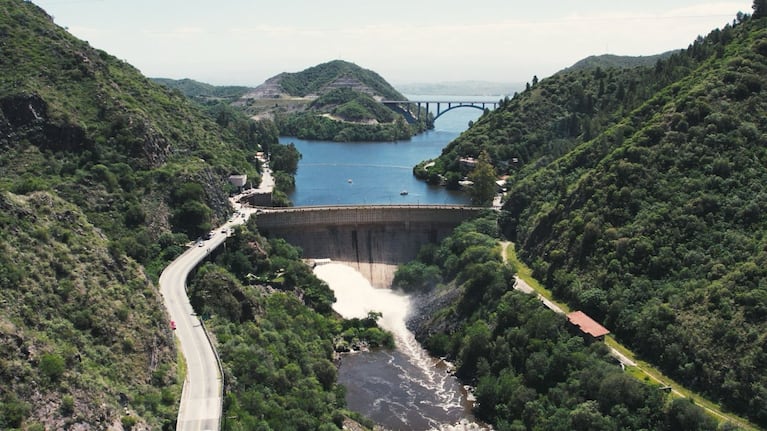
{"x":592,"y":330}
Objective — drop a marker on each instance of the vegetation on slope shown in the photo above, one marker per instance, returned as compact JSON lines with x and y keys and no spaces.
{"x":84,"y":337}
{"x":343,"y":105}
{"x":646,"y":210}
{"x":131,"y":171}
{"x":276,"y":335}
{"x":609,"y":61}
{"x":318,"y":79}
{"x":80,"y":122}
{"x":530,"y":371}
{"x":203,"y":92}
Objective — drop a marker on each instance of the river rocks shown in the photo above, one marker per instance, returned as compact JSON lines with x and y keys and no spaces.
{"x":427,"y":305}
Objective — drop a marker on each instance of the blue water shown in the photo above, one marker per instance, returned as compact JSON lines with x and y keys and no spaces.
{"x":333,"y":173}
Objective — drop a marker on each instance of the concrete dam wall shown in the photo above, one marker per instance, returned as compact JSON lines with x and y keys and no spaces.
{"x":372,"y":239}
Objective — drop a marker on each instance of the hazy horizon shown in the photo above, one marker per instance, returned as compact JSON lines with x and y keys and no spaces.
{"x":241,"y":43}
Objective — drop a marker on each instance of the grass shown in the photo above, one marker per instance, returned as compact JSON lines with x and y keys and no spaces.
{"x":526,"y":274}
{"x":643,"y":371}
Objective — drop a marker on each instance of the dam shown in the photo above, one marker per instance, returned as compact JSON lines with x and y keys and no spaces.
{"x":373,"y":239}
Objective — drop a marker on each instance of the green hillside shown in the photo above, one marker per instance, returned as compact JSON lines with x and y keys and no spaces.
{"x":637,"y":196}
{"x":555,"y":115}
{"x":337,"y":101}
{"x":84,"y":335}
{"x":319,"y":79}
{"x":90,"y":127}
{"x":202,"y":91}
{"x":607,"y":61}
{"x":530,"y":370}
{"x":101,"y":171}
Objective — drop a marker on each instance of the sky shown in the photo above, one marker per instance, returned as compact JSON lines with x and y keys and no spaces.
{"x":245,"y":42}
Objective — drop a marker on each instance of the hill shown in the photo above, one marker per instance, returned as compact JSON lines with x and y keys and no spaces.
{"x":202,"y":91}
{"x":101,"y":171}
{"x":321,"y":79}
{"x":636,"y":195}
{"x":530,"y":369}
{"x":84,"y":338}
{"x":607,"y":61}
{"x":337,"y":100}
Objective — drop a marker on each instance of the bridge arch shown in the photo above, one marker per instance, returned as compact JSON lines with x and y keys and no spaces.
{"x":442,"y":106}
{"x":444,"y":111}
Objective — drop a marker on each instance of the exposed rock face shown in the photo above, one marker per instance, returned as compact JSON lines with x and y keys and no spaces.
{"x":270,"y":89}
{"x":26,"y":115}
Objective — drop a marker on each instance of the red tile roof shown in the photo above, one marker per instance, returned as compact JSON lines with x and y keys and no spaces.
{"x":587,"y":324}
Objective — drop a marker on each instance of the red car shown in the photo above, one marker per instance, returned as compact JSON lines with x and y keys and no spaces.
{"x":173,"y":325}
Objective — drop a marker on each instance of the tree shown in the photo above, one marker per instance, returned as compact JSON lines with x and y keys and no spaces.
{"x":285,"y":158}
{"x":483,"y":176}
{"x":760,"y":8}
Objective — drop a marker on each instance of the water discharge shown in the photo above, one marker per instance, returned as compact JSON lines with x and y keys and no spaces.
{"x":401,"y":389}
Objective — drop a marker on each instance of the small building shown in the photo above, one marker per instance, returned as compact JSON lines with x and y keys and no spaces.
{"x":592,"y":330}
{"x":238,"y":180}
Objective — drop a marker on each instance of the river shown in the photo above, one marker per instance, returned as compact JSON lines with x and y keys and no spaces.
{"x":405,"y":388}
{"x":401,"y":389}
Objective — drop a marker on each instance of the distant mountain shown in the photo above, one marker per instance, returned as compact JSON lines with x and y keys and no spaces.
{"x":202,"y":91}
{"x":607,"y":61}
{"x":462,"y":88}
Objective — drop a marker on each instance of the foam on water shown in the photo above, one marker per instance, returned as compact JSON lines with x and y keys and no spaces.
{"x":425,"y":396}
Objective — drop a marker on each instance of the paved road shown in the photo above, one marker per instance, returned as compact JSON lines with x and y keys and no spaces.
{"x":201,"y":398}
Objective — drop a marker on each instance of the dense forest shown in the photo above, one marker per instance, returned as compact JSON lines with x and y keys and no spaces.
{"x":530,"y":370}
{"x":637,"y":195}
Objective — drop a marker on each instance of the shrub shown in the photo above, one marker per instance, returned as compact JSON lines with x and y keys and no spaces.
{"x":67,"y":405}
{"x":52,"y":366}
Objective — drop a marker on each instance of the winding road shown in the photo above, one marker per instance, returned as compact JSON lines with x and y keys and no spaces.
{"x":200,"y":407}
{"x":202,"y":396}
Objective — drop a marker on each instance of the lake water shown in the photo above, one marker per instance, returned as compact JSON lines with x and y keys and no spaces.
{"x":405,"y":388}
{"x":345,"y":173}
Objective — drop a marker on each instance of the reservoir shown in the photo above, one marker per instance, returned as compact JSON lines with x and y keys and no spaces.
{"x":346,"y":173}
{"x":404,"y":388}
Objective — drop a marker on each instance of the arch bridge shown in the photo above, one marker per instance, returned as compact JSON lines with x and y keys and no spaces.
{"x":442,"y":106}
